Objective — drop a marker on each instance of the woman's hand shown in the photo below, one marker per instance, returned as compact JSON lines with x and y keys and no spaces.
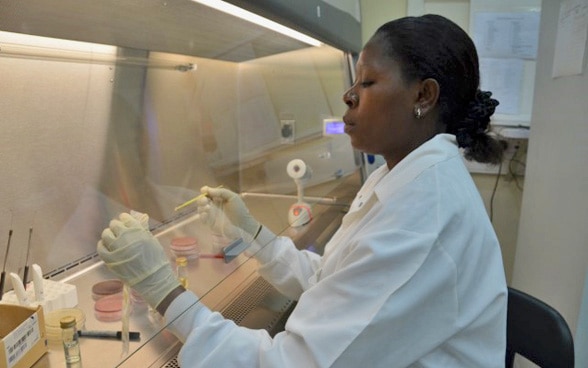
{"x":133,"y":254}
{"x":229,"y":204}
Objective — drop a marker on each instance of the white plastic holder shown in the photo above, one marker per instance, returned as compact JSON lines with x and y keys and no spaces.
{"x":57,"y":295}
{"x":300,"y":212}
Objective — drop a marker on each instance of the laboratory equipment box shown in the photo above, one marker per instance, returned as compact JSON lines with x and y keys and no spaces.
{"x":22,"y":333}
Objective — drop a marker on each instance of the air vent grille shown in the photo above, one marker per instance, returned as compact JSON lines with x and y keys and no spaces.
{"x":259,"y":295}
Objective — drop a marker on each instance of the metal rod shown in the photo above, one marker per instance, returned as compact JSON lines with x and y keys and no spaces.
{"x":26,"y":267}
{"x":3,"y":275}
{"x":44,"y":53}
{"x":318,"y":200}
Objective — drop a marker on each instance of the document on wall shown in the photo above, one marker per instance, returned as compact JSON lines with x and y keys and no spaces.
{"x":507,"y":35}
{"x":570,"y":43}
{"x":505,"y":82}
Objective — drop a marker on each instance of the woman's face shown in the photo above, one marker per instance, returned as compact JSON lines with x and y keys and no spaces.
{"x":381,"y":120}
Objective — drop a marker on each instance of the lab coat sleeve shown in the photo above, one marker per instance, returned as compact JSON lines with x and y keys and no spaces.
{"x":209,"y":339}
{"x":331,"y":317}
{"x":284,"y":266}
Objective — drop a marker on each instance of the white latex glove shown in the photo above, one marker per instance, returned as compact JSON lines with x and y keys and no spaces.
{"x":213,"y":216}
{"x":143,"y":218}
{"x":233,"y":207}
{"x":133,"y":254}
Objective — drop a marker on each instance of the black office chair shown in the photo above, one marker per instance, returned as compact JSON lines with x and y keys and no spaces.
{"x":537,"y":332}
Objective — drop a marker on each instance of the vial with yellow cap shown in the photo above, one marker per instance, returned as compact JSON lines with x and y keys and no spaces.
{"x":182,"y":271}
{"x":71,"y":343}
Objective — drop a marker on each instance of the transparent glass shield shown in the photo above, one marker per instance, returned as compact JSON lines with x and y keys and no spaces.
{"x":91,"y":131}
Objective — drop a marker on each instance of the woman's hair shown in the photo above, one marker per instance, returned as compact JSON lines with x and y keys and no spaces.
{"x":432,"y":46}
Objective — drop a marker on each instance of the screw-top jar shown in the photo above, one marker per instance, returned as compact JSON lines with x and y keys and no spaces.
{"x":182,"y":271}
{"x":71,"y":344}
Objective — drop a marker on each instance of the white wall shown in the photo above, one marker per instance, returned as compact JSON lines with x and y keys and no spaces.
{"x":54,"y":128}
{"x":374,"y":13}
{"x":552,"y":247}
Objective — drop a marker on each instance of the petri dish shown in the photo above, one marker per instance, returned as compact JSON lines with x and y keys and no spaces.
{"x":106,"y":288}
{"x":186,"y":246}
{"x":109,"y":308}
{"x":137,"y":300}
{"x":53,"y":318}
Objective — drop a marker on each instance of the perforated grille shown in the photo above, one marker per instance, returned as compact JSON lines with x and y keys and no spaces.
{"x":172,"y":363}
{"x":259,"y":295}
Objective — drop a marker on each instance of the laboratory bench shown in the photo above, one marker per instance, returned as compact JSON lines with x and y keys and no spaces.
{"x":234,"y":289}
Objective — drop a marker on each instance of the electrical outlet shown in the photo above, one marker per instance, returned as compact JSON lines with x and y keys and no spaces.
{"x":287,"y":131}
{"x":513,"y":162}
{"x":515,"y":157}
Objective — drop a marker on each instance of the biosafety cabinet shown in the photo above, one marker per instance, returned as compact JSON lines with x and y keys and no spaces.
{"x":112,"y":106}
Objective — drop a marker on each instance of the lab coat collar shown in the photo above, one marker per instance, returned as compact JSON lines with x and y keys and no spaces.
{"x":440,"y":148}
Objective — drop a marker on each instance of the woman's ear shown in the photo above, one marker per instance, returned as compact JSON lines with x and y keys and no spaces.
{"x":428,"y":95}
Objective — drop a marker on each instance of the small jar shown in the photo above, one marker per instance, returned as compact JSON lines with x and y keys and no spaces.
{"x":71,"y":343}
{"x":182,"y":271}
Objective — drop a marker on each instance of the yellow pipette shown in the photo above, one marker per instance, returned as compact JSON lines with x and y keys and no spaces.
{"x":189,"y":202}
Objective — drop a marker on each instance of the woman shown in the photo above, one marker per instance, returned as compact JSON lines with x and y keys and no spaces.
{"x":414,"y":275}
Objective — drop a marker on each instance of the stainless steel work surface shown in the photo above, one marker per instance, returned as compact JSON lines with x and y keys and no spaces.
{"x":235,"y":289}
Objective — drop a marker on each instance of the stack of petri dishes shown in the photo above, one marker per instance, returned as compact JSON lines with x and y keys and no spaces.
{"x":186,"y":246}
{"x":108,"y":299}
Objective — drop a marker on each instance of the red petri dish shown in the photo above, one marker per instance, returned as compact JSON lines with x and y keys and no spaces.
{"x":109,"y":308}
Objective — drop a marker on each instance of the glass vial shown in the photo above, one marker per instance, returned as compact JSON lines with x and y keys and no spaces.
{"x":71,"y":343}
{"x":182,"y":271}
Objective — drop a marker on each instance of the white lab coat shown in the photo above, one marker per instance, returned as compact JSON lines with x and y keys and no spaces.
{"x":413,"y":278}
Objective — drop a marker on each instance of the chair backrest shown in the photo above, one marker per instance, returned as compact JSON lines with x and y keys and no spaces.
{"x":537,"y":332}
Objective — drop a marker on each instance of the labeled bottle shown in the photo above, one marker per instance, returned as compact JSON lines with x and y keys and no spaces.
{"x":182,"y":271}
{"x":71,"y":343}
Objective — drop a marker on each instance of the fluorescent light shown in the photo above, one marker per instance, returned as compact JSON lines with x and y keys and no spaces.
{"x":259,"y":20}
{"x":24,"y":46}
{"x":55,"y":43}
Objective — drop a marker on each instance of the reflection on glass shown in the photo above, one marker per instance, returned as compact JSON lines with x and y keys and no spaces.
{"x":86,"y":140}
